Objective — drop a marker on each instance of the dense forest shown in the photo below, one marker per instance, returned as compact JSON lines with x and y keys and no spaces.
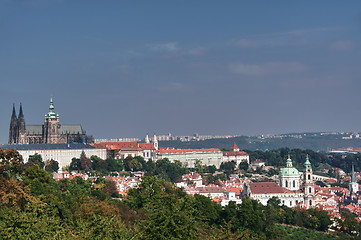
{"x":34,"y":206}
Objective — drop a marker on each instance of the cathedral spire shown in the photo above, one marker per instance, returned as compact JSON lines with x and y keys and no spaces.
{"x":14,"y":112}
{"x":51,"y":114}
{"x":353,"y":174}
{"x":307,"y":163}
{"x":21,"y":111}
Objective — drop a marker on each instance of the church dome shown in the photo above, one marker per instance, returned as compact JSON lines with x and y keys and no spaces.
{"x":289,"y":170}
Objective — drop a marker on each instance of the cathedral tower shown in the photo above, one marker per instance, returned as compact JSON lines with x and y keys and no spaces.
{"x":308,"y":184}
{"x":51,"y":126}
{"x":21,"y":127}
{"x":13,"y":131}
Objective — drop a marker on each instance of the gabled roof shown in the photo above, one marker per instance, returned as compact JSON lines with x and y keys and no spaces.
{"x":234,"y":146}
{"x":231,"y":153}
{"x":123,"y":146}
{"x":266,"y":188}
{"x":146,"y":146}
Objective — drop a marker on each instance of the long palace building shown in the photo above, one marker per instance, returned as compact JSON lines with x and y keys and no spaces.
{"x":49,"y":132}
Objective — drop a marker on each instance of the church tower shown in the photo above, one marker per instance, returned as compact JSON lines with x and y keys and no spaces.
{"x":51,"y":126}
{"x":155,"y":142}
{"x":13,"y":131}
{"x":308,"y":184}
{"x":21,"y":127}
{"x":353,"y":186}
{"x":147,"y":139}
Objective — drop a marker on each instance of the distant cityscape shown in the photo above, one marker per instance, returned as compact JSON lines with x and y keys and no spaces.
{"x":217,"y":167}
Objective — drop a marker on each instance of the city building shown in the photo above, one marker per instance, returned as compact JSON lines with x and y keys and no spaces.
{"x":122,"y":150}
{"x":289,"y":191}
{"x":62,"y":153}
{"x":263,"y":191}
{"x":235,"y":155}
{"x":289,"y":176}
{"x":188,"y":157}
{"x":49,"y":132}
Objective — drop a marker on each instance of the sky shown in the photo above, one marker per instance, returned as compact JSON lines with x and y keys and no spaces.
{"x":128,"y":68}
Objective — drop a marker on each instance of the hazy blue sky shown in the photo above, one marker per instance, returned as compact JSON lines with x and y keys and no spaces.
{"x":127,"y":68}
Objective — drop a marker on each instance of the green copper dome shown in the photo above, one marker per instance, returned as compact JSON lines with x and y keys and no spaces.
{"x":51,"y":114}
{"x":307,"y":163}
{"x":289,"y":170}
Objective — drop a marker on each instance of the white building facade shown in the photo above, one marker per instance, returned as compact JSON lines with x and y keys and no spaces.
{"x":188,"y":157}
{"x":62,"y":153}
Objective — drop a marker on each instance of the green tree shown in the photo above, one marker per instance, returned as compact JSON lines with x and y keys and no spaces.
{"x":85,"y":163}
{"x":35,"y":159}
{"x":11,"y":163}
{"x":51,"y":166}
{"x":228,"y":167}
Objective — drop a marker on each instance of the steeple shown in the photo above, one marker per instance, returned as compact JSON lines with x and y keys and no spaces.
{"x":147,"y":139}
{"x":14,"y":112}
{"x":21,"y":111}
{"x":307,"y":163}
{"x":51,"y":114}
{"x":155,"y":141}
{"x":353,"y":174}
{"x":13,"y":130}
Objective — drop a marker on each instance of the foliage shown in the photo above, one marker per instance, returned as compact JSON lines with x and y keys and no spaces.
{"x":11,"y":163}
{"x":35,"y":159}
{"x":51,"y":166}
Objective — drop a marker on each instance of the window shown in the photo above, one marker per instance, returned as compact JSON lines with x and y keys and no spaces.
{"x":294,"y":183}
{"x":286,"y":183}
{"x":309,"y":189}
{"x":310,"y":202}
{"x":309,"y":177}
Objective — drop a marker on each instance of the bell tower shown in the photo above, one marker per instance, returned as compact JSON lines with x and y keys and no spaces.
{"x":21,"y":127}
{"x":308,"y":184}
{"x":51,"y":125}
{"x":13,"y":131}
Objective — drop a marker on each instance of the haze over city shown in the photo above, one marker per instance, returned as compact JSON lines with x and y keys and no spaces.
{"x":124,"y":69}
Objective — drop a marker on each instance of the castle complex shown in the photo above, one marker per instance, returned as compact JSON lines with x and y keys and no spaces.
{"x":49,"y":132}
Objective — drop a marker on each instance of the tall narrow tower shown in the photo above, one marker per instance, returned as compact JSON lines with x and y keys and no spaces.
{"x":353,"y":186}
{"x":21,"y":127}
{"x":308,"y":184}
{"x":147,"y":139}
{"x":51,"y":125}
{"x":155,"y":142}
{"x":13,"y":131}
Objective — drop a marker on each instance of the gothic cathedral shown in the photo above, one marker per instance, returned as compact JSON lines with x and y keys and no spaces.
{"x":50,"y":132}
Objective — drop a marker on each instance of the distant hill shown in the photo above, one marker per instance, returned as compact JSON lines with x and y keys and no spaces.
{"x":314,"y":141}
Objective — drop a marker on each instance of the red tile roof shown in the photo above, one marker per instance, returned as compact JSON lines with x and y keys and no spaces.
{"x":146,"y":146}
{"x":183,"y":151}
{"x":231,"y":153}
{"x":266,"y":187}
{"x":234,"y":146}
{"x":124,"y":146}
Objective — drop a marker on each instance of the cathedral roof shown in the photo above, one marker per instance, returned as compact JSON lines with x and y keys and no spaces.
{"x":70,"y":129}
